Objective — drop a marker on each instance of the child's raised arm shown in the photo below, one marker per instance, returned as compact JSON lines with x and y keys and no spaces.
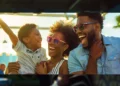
{"x":10,"y":33}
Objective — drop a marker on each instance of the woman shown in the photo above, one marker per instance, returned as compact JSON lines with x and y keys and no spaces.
{"x":60,"y":42}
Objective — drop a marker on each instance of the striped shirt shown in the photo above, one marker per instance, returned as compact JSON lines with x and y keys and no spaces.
{"x":28,"y":58}
{"x":55,"y":70}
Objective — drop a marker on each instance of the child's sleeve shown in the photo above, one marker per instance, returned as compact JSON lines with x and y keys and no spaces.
{"x":44,"y":54}
{"x":19,"y":46}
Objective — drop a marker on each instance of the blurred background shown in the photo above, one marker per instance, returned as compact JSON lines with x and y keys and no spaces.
{"x":44,"y":21}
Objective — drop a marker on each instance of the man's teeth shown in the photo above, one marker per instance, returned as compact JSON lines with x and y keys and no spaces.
{"x":82,"y":36}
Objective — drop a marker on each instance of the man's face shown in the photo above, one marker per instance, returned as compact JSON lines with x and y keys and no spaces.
{"x":86,"y":30}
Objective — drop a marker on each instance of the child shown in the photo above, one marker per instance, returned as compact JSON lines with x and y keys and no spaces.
{"x":27,"y":46}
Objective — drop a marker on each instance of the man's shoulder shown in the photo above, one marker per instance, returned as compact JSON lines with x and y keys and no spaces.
{"x":79,"y":47}
{"x":114,"y":41}
{"x":79,"y":50}
{"x":112,"y":38}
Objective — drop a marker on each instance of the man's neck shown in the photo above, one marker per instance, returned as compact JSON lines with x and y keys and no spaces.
{"x":98,"y":37}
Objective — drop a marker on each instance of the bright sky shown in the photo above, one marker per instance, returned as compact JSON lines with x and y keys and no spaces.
{"x":109,"y":22}
{"x":15,"y":20}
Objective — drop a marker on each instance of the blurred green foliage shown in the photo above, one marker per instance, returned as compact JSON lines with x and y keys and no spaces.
{"x":118,"y":22}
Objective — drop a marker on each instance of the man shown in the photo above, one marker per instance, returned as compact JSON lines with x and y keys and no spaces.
{"x":96,"y":54}
{"x":2,"y":68}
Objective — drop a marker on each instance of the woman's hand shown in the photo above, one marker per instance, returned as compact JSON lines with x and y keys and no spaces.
{"x":41,"y":68}
{"x":13,"y":68}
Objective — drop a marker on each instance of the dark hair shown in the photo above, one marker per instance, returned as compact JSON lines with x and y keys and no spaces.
{"x":66,"y":28}
{"x":92,"y":15}
{"x":25,"y":30}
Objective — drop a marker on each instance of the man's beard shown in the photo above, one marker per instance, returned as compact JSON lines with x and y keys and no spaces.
{"x":91,"y":39}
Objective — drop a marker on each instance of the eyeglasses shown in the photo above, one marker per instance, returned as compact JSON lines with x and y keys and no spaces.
{"x":82,"y":26}
{"x":55,"y":40}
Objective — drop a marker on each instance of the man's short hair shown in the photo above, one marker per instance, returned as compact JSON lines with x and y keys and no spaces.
{"x":93,"y":15}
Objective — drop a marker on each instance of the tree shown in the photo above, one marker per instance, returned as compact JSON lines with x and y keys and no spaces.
{"x":118,"y":22}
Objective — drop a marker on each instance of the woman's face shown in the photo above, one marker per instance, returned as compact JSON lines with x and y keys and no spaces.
{"x":56,"y":44}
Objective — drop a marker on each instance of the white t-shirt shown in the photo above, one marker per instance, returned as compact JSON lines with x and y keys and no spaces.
{"x":28,"y":59}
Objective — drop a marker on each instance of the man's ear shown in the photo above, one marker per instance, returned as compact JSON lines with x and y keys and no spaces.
{"x":26,"y":40}
{"x":98,"y":28}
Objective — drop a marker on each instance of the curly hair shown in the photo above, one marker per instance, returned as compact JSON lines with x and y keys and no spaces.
{"x":25,"y":30}
{"x":66,"y":28}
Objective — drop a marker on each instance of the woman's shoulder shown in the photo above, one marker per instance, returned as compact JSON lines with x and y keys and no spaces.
{"x":64,"y":64}
{"x":64,"y":67}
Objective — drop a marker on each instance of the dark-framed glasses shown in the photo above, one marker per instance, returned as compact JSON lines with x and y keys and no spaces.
{"x":82,"y":26}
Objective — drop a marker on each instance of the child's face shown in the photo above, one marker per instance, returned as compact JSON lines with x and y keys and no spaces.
{"x":35,"y":38}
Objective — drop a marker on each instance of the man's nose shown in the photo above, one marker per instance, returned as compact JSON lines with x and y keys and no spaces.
{"x":78,"y":31}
